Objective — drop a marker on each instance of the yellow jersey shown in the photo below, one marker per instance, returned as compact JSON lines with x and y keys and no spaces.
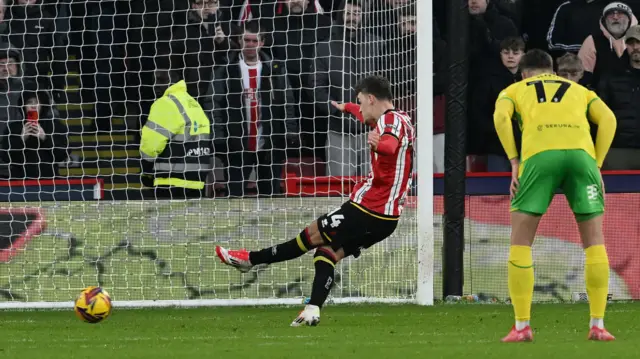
{"x":553,"y":114}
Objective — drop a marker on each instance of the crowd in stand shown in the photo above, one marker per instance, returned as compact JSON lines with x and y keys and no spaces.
{"x":594,"y":42}
{"x":306,"y":54}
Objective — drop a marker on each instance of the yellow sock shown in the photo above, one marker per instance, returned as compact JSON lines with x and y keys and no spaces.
{"x":521,"y":281}
{"x":596,"y":277}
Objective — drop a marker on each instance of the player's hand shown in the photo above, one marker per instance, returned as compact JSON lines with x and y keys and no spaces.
{"x":515,"y":184}
{"x":513,"y":189}
{"x":339,"y":106}
{"x":373,"y":139}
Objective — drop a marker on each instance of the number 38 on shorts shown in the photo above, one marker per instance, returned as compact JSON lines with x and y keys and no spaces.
{"x":575,"y":172}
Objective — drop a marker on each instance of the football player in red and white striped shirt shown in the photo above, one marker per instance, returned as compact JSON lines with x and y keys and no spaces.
{"x":370,"y":216}
{"x":391,"y":142}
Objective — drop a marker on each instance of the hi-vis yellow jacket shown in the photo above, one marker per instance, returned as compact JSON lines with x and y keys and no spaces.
{"x":177,"y":140}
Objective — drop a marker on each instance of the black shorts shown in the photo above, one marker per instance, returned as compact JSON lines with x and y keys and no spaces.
{"x":353,"y":228}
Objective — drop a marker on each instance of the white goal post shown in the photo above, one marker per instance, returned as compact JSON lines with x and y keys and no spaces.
{"x":159,"y":252}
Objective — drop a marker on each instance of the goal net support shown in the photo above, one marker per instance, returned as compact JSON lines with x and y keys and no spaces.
{"x":94,"y":71}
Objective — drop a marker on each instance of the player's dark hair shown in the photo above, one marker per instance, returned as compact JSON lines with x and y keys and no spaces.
{"x":513,"y":43}
{"x":536,"y":60}
{"x":375,"y":85}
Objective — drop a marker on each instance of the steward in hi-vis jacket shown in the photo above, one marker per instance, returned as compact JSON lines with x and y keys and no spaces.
{"x":177,"y":140}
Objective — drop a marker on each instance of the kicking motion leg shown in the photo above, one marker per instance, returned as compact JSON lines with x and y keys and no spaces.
{"x":596,"y":274}
{"x":244,"y":260}
{"x":324,"y":261}
{"x":520,"y":274}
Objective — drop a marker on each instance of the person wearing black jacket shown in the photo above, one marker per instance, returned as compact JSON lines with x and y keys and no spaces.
{"x":350,"y":53}
{"x":440,"y":83}
{"x":297,"y":27}
{"x":32,"y":31}
{"x":621,"y":91}
{"x":483,"y":139}
{"x":403,"y":61}
{"x":203,"y":42}
{"x":36,"y":143}
{"x":572,"y":22}
{"x":253,"y":113}
{"x":487,"y":28}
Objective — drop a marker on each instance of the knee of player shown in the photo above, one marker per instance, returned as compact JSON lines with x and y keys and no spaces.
{"x":328,"y":255}
{"x":315,"y":237}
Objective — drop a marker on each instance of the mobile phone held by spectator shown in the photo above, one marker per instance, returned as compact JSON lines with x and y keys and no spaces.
{"x":32,"y":116}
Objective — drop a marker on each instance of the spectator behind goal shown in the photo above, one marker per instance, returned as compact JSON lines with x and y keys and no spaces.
{"x":570,"y":67}
{"x":36,"y":142}
{"x":483,"y":137}
{"x":572,"y":22}
{"x":351,"y":52}
{"x":297,"y":28}
{"x":440,"y":83}
{"x":601,"y":52}
{"x":253,"y":112}
{"x":32,"y":30}
{"x":487,"y":28}
{"x":203,"y":44}
{"x":621,"y":91}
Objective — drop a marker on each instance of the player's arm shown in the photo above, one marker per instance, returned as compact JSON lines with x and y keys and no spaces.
{"x":502,"y":120}
{"x":351,"y":108}
{"x":600,"y":114}
{"x":387,"y":145}
{"x":388,"y":142}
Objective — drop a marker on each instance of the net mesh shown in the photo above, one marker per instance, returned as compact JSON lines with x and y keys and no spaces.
{"x":96,"y":68}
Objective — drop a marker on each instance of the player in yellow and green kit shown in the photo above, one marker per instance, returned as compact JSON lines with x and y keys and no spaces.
{"x":557,"y":152}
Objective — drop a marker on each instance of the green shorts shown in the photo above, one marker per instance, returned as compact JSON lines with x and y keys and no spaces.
{"x":573,"y":171}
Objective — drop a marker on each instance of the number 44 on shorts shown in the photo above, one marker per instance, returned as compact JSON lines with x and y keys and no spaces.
{"x":592,"y":192}
{"x":335,"y":221}
{"x":335,"y":218}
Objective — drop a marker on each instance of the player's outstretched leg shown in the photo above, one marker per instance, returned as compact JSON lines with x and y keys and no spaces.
{"x":324,"y":261}
{"x":244,"y":260}
{"x":596,"y":274}
{"x":520,"y":274}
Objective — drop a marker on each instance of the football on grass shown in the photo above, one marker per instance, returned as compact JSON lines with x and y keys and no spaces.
{"x":93,"y":305}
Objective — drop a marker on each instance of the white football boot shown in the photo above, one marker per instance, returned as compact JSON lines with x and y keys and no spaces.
{"x":310,"y":316}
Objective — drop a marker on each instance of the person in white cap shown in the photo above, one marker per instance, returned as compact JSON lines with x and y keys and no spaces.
{"x":601,"y":51}
{"x":618,"y":91}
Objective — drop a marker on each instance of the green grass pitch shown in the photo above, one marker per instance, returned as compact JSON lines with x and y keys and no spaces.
{"x":367,"y":331}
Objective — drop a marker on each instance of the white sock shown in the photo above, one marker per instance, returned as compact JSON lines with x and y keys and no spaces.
{"x":596,"y":322}
{"x":312,"y":307}
{"x":521,"y":324}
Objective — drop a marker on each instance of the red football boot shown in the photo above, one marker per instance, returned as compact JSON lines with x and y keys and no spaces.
{"x":516,"y":336}
{"x":238,"y":259}
{"x":598,"y":334}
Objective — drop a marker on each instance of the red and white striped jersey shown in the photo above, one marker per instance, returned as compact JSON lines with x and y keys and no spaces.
{"x":385,"y":189}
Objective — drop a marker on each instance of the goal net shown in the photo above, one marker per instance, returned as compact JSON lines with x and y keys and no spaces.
{"x":96,"y":71}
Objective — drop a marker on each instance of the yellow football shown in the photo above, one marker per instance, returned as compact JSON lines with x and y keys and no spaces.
{"x":93,"y":305}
